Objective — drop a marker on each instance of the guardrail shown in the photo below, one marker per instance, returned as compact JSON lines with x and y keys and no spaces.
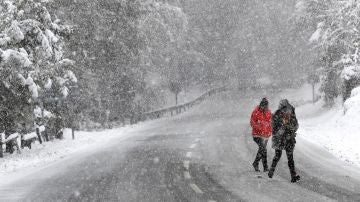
{"x":177,"y":109}
{"x":28,"y":139}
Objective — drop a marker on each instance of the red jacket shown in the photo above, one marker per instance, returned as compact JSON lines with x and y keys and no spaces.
{"x":261,"y":123}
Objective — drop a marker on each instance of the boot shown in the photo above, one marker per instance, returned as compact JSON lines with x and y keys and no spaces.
{"x":295,"y":178}
{"x":271,"y":172}
{"x":256,"y":166}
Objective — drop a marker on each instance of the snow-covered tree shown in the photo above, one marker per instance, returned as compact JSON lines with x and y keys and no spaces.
{"x":106,"y":47}
{"x":31,"y":50}
{"x":335,"y":35}
{"x":163,"y":27}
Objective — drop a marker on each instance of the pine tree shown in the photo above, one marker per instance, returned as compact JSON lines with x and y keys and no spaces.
{"x":32,"y":67}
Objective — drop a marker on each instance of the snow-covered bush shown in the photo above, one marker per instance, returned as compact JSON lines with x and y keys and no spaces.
{"x":350,"y":72}
{"x":31,"y":42}
{"x":352,"y":104}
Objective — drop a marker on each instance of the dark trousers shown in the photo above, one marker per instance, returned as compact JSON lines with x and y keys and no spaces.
{"x":262,"y":152}
{"x":290,"y":157}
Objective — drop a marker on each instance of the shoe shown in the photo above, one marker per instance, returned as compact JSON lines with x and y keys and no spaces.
{"x":295,"y":179}
{"x":271,"y":173}
{"x":256,"y":167}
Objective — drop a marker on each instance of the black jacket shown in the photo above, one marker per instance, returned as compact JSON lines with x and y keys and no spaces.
{"x":285,"y":125}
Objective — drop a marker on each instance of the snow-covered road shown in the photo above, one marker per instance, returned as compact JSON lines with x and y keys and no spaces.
{"x":202,"y":155}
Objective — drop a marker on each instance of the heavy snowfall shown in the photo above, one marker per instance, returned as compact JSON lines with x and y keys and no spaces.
{"x":179,"y":100}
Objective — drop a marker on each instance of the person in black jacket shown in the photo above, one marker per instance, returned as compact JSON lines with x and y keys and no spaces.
{"x":285,"y":125}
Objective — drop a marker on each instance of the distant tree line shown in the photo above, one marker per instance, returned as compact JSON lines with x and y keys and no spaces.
{"x":127,"y":54}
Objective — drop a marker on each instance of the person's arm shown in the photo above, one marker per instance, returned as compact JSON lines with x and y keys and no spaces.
{"x":275,"y":121}
{"x":270,"y":118}
{"x":254,"y":120}
{"x":294,"y":121}
{"x":294,"y":124}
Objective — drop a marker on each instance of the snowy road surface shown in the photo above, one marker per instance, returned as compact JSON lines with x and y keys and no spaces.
{"x":202,"y":155}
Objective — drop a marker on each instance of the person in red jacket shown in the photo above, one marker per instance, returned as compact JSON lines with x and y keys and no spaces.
{"x":261,"y":131}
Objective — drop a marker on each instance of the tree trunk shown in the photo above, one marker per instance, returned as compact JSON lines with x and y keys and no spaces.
{"x":313,"y":92}
{"x":38,"y":134}
{"x":73,"y":132}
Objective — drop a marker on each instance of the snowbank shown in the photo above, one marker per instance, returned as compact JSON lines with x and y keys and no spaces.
{"x":42,"y":154}
{"x":336,"y":129}
{"x":337,"y":132}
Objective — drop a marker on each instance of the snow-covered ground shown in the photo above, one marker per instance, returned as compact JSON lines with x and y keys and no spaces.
{"x":336,"y":129}
{"x":43,"y":154}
